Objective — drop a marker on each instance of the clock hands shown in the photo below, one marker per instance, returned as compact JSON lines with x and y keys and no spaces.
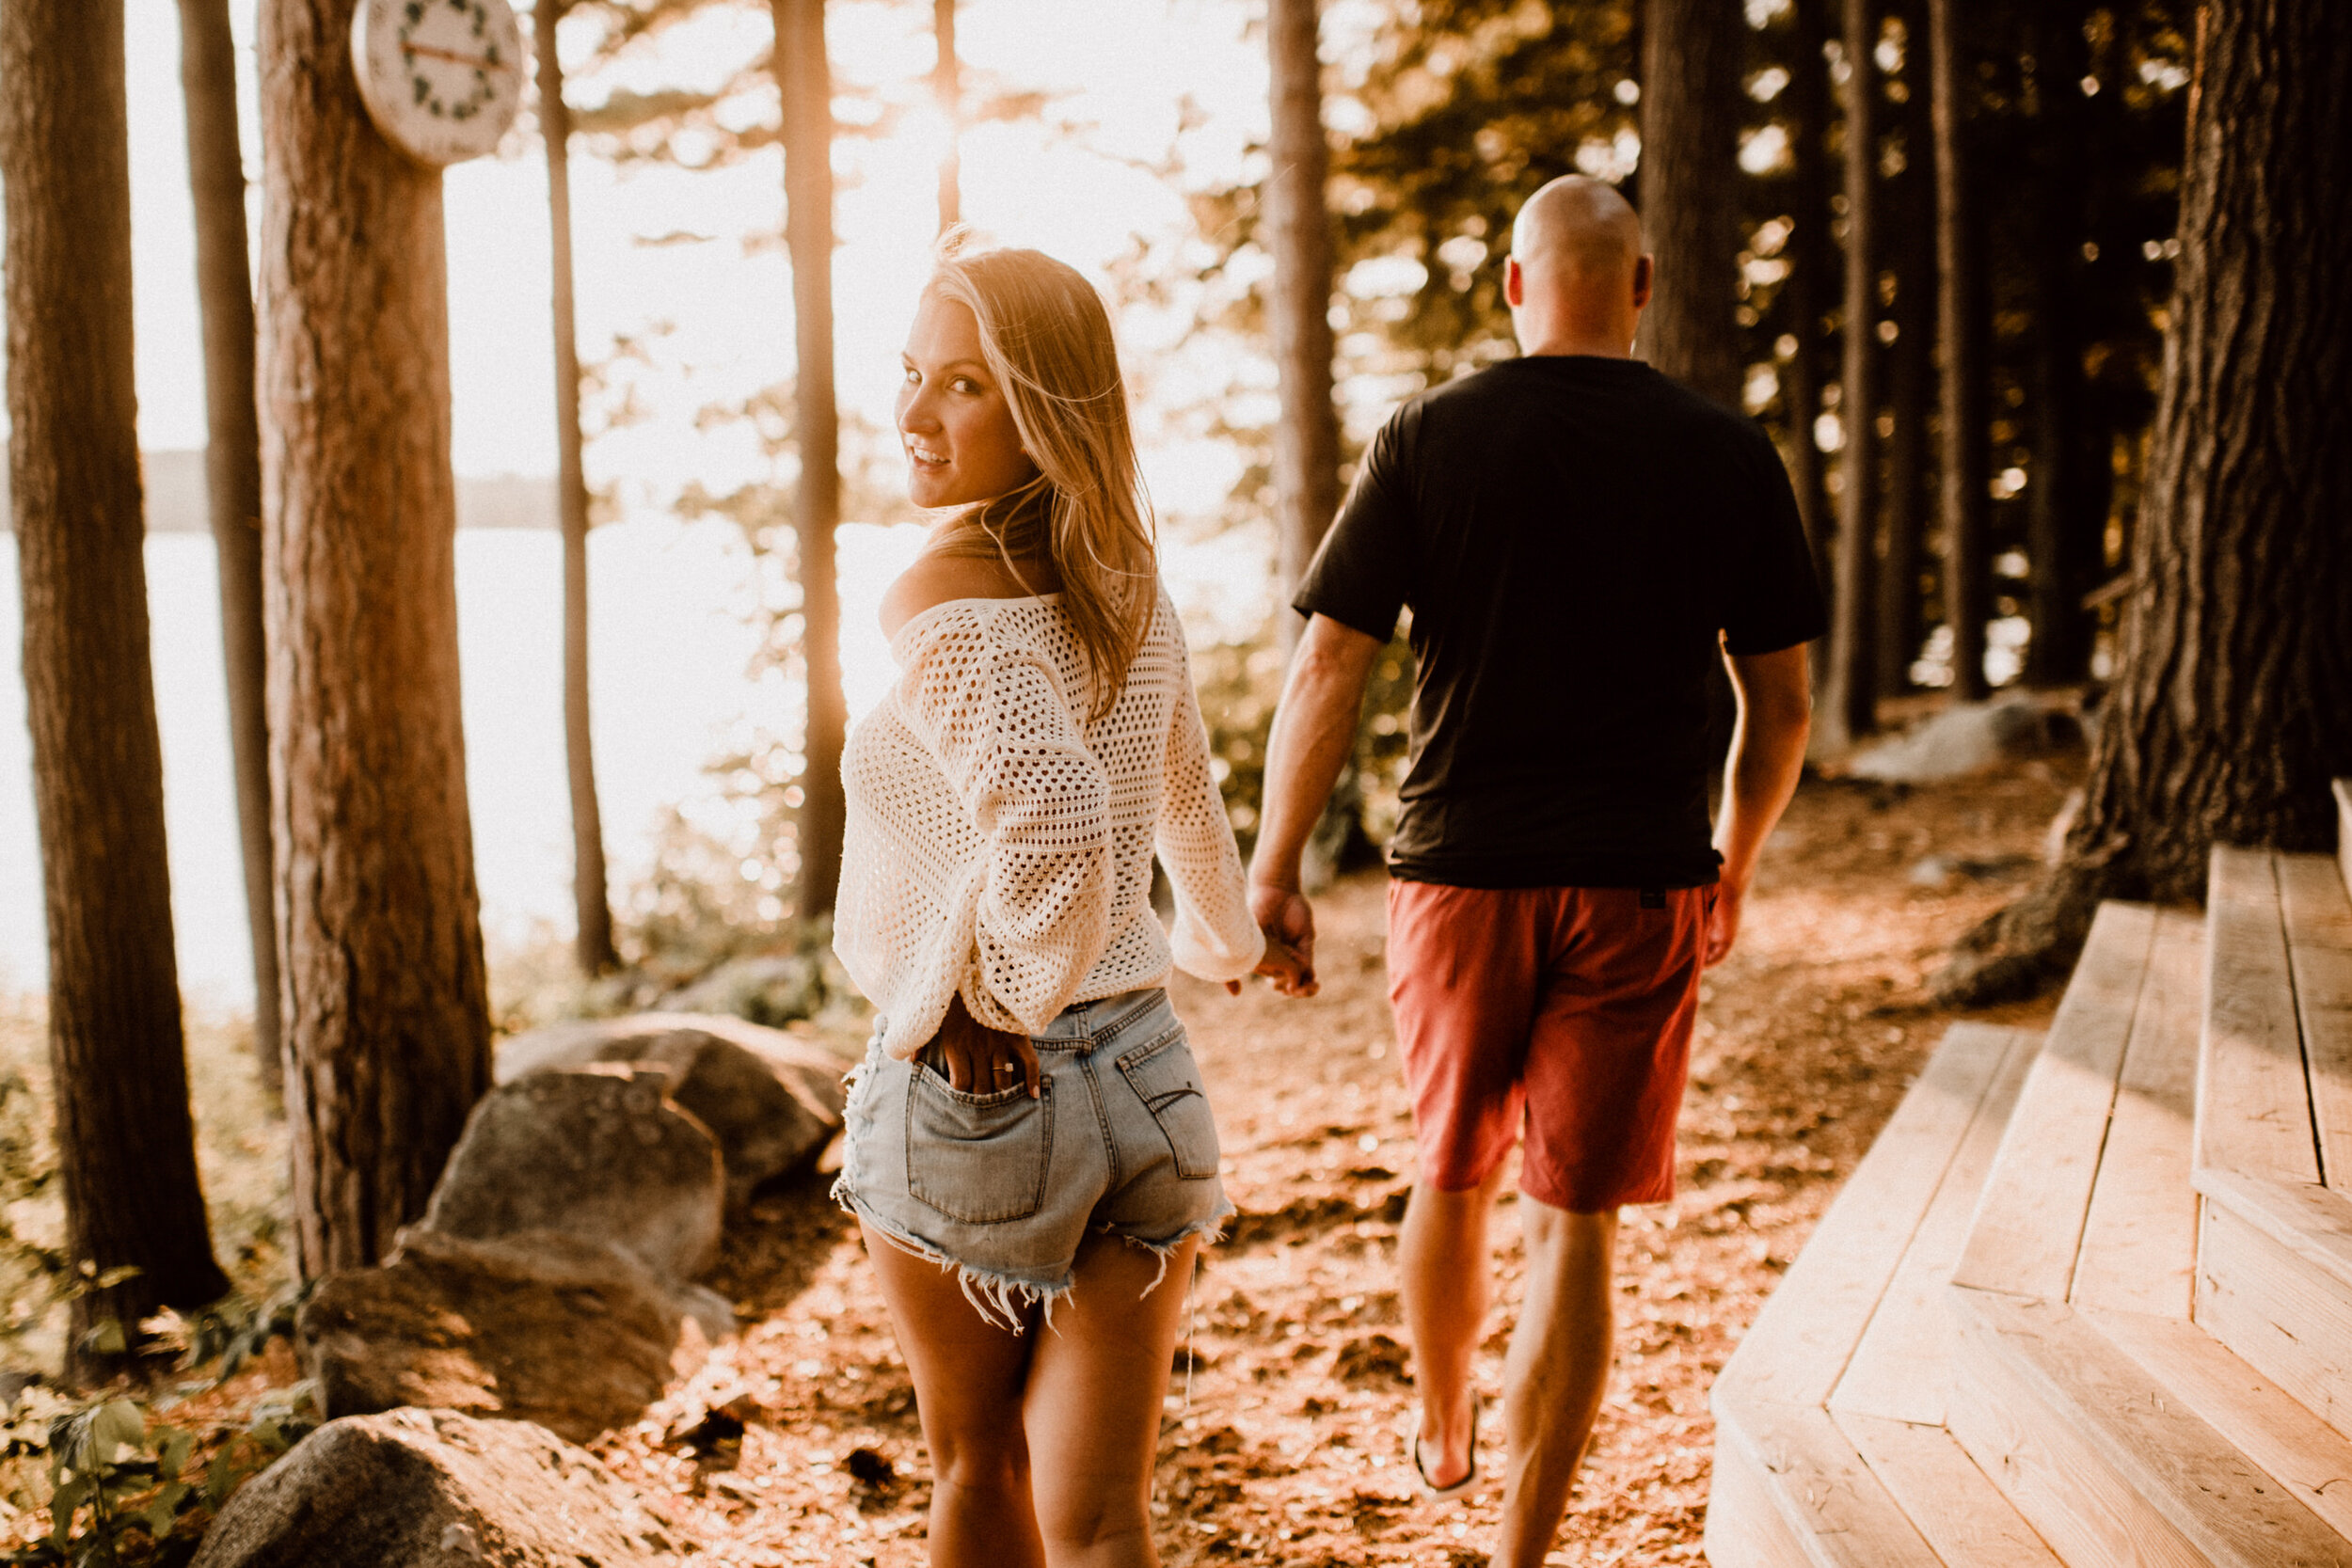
{"x":478,"y":62}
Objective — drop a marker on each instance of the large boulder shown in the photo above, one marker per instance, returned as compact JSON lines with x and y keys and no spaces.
{"x":771,"y":1099}
{"x":434,"y":1489}
{"x":1968,"y":738}
{"x":545,"y":1326}
{"x":600,"y":1154}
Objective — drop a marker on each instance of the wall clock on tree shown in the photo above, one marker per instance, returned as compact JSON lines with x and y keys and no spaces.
{"x":442,"y":79}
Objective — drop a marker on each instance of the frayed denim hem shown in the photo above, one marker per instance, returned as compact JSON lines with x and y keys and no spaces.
{"x":1211,"y":1230}
{"x":999,"y":1299}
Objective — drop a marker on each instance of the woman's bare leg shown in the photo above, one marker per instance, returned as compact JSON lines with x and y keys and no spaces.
{"x":968,"y":1376}
{"x":1093,"y":1406}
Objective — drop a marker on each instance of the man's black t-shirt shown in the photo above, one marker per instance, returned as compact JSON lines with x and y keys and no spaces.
{"x":1572,"y":534}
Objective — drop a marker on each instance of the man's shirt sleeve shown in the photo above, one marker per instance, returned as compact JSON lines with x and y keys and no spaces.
{"x":1360,"y":576}
{"x":1774,"y":599}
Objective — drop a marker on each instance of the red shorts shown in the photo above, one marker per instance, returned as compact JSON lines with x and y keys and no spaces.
{"x":1567,"y":1008}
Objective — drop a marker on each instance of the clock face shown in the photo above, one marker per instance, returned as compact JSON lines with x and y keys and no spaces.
{"x":442,"y":79}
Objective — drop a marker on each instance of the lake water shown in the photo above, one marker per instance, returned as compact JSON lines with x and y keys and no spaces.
{"x":673,"y":633}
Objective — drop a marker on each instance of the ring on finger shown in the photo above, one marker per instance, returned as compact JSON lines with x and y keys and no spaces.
{"x":1002,"y":1067}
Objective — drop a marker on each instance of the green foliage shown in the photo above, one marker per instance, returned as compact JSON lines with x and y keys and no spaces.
{"x":119,"y":1484}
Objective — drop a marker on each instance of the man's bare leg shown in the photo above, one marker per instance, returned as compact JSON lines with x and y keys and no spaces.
{"x":1448,"y":1285}
{"x":1556,"y":1372}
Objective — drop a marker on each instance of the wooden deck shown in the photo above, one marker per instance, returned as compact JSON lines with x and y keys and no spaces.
{"x":2088,"y":1301}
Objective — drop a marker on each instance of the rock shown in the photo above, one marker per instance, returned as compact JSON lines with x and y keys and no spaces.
{"x":1969,"y":737}
{"x":771,"y":1100}
{"x":598,"y":1154}
{"x":434,"y":1489}
{"x":545,"y":1326}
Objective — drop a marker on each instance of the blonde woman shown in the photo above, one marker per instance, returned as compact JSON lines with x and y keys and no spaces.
{"x":1031,"y":1154}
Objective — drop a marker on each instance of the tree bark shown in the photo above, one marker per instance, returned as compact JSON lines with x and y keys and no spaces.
{"x":592,"y":930}
{"x":2065,"y":500}
{"x":804,"y":80}
{"x":388,"y":1032}
{"x":1306,"y":431}
{"x":1813,"y":263}
{"x":2226,"y":717}
{"x":947,"y":92}
{"x":126,"y":1147}
{"x":1961,"y":326}
{"x":1850,"y":691}
{"x":232,"y":465}
{"x":1690,"y":105}
{"x":1910,"y":376}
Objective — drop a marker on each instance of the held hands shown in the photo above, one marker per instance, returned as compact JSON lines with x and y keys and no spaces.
{"x":981,"y":1060}
{"x":1289,"y":923}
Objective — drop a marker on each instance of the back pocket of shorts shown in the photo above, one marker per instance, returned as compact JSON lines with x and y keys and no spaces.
{"x":1168,"y":1081}
{"x":977,"y":1158}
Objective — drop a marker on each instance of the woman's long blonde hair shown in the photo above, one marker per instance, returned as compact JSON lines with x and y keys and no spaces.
{"x":1047,"y":341}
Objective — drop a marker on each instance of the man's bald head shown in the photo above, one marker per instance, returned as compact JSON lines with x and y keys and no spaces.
{"x":1578,"y":273}
{"x":1578,"y":224}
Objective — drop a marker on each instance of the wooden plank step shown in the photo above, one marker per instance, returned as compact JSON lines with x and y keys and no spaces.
{"x":1953,"y":1505}
{"x":1745,"y":1526}
{"x":1901,"y":1365}
{"x":2274,"y":1284}
{"x":2030,"y":1225}
{"x":1806,"y":1335}
{"x":2138,"y":1251}
{"x":2108,"y":1464}
{"x":2253,"y":1098}
{"x":1794,"y":1487}
{"x":2262,"y":1420}
{"x":1801,"y":1496}
{"x":2317,"y":914}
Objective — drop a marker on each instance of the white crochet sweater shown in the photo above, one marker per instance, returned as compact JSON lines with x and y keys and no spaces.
{"x":999,"y":841}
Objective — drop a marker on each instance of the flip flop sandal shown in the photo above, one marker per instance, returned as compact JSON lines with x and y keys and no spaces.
{"x":1411,"y":1431}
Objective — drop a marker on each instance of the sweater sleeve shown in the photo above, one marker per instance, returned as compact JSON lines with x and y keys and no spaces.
{"x":996,"y":716}
{"x":1215,"y":938}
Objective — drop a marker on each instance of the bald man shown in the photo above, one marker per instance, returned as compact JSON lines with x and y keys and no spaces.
{"x":1579,"y":540}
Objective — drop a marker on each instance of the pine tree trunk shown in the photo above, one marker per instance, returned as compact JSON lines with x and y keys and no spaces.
{"x":1307,"y":431}
{"x":1813,"y":263}
{"x":1910,"y":376}
{"x":1850,"y":691}
{"x":126,"y":1152}
{"x":386,"y":1025}
{"x":232,"y":464}
{"x":591,"y":931}
{"x":805,"y":81}
{"x":947,"y":92}
{"x":2227,"y":718}
{"x":1962,"y":327}
{"x":2065,"y":503}
{"x":1691,"y":105}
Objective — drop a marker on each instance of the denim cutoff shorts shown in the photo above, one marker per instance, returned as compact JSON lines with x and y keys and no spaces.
{"x":1003,"y":1188}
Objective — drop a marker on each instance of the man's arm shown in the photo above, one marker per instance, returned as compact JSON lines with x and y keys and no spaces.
{"x":1767,"y":755}
{"x":1313,"y":736}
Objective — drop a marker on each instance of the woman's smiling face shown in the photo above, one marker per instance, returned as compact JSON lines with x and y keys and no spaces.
{"x":961,"y":441}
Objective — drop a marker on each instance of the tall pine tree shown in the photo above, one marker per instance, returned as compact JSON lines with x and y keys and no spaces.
{"x":126,"y":1145}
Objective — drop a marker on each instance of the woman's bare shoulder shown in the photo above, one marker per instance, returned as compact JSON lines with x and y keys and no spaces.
{"x":937,"y":579}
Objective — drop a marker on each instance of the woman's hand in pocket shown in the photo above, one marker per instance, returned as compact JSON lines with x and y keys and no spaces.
{"x":980,"y":1060}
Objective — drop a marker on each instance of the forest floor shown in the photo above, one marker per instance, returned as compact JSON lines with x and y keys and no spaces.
{"x":797,"y":1443}
{"x":1285,"y":1446}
